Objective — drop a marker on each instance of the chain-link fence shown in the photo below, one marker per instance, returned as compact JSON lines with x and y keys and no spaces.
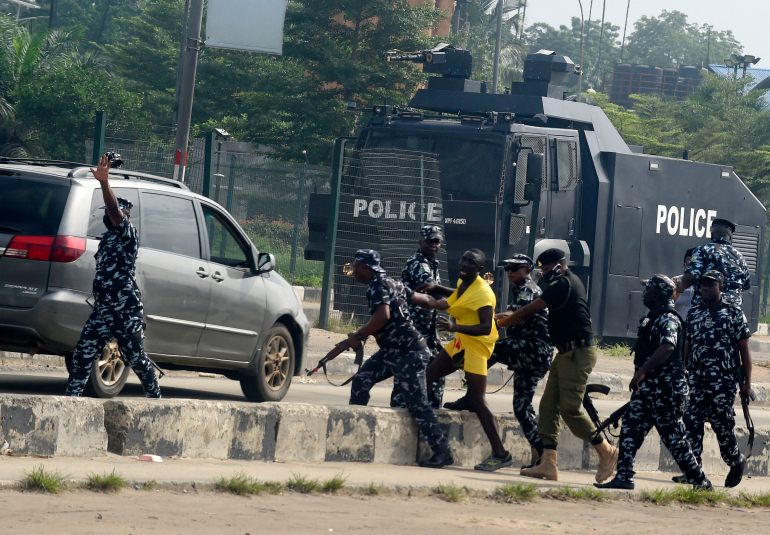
{"x":268,"y":198}
{"x":385,"y":197}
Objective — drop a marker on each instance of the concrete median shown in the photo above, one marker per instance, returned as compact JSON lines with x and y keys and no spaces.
{"x":52,"y":425}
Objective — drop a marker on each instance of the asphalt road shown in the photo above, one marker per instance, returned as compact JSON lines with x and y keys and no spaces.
{"x":53,"y":382}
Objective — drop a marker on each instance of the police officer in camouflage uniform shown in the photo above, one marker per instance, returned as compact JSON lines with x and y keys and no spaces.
{"x":118,"y":310}
{"x":715,"y":329}
{"x":526,"y":350}
{"x":658,"y":389}
{"x":403,"y":351}
{"x":422,"y":267}
{"x":723,"y":257}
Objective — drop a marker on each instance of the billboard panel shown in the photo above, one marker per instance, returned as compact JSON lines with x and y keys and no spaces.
{"x":254,"y":25}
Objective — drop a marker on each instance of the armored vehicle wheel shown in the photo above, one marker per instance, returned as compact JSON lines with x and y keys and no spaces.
{"x":108,"y":374}
{"x":274,"y":368}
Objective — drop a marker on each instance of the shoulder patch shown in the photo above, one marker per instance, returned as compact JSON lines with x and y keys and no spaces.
{"x":425,"y":268}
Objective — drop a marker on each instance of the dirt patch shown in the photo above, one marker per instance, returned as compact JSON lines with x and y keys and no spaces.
{"x":133,"y":511}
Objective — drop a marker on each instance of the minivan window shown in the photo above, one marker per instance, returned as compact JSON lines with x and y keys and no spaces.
{"x":169,"y":224}
{"x":225,"y":248}
{"x":31,"y":207}
{"x":95,"y":219}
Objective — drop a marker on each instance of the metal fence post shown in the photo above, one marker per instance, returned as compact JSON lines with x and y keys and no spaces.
{"x":298,"y":219}
{"x":100,"y":126}
{"x":231,"y":185}
{"x":208,"y":164}
{"x":765,"y":280}
{"x":331,"y":232}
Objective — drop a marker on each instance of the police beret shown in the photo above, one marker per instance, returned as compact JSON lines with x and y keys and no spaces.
{"x":431,"y":232}
{"x":713,"y":274}
{"x":723,"y":223}
{"x":550,"y":256}
{"x":369,"y":257}
{"x":520,"y":259}
{"x":661,"y":283}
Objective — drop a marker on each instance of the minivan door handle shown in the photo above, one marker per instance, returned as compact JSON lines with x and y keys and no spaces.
{"x":202,"y":273}
{"x":217,"y":276}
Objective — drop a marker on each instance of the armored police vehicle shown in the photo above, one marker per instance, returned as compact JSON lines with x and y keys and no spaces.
{"x":620,"y":214}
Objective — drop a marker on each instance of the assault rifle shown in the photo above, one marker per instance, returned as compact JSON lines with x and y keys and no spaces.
{"x":333,"y":354}
{"x":614,"y":418}
{"x":745,"y":400}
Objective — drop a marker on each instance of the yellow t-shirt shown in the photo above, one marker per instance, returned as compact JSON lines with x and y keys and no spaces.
{"x":465,"y":310}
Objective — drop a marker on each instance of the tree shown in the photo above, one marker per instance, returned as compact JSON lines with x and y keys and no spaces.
{"x":670,"y":41}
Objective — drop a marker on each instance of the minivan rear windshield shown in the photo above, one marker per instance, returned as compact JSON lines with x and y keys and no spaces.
{"x":31,"y":207}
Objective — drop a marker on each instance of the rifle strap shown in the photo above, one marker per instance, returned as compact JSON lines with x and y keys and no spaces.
{"x":749,"y":425}
{"x":358,"y":360}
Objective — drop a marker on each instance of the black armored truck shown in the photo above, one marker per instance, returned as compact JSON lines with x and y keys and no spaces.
{"x":528,"y":170}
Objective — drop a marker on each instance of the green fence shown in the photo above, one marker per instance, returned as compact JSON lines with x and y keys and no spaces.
{"x":268,"y":198}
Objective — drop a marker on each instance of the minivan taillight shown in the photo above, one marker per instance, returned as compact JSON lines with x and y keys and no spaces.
{"x":46,"y":248}
{"x":68,"y":248}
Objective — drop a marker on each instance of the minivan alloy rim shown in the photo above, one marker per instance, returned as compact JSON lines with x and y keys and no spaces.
{"x":276,"y":362}
{"x":110,"y":365}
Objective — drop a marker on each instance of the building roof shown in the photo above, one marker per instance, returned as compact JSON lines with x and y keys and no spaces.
{"x":761,"y":77}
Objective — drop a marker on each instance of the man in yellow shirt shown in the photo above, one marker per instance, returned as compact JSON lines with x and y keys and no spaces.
{"x":472,"y":304}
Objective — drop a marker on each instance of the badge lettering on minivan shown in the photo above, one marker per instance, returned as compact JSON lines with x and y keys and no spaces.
{"x":679,"y":221}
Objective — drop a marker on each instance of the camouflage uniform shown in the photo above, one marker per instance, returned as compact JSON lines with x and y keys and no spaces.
{"x":660,"y":399}
{"x":117,"y":313}
{"x":723,"y":257}
{"x":420,"y":269}
{"x":402,"y":355}
{"x":713,"y":335}
{"x":526,"y":350}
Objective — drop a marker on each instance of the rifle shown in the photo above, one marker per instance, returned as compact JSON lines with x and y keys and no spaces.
{"x":333,"y":354}
{"x":745,"y":400}
{"x":593,"y":414}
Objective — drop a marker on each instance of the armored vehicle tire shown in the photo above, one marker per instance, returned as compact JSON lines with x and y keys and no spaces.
{"x":108,"y":374}
{"x":275,"y":368}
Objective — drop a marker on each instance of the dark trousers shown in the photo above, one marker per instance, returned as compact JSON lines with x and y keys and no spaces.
{"x":659,"y":403}
{"x":103,"y":325}
{"x":435,"y":393}
{"x":529,"y":359}
{"x":407,"y":367}
{"x":713,"y":402}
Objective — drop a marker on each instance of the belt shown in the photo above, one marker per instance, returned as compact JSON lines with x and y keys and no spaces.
{"x":569,"y":346}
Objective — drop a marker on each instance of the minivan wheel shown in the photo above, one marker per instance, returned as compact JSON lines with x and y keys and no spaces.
{"x":274,"y":369}
{"x":108,"y":374}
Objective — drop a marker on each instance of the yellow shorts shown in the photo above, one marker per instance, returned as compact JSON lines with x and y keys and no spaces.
{"x":471,"y":360}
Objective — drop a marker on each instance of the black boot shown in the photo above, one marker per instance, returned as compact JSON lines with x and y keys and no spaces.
{"x":735,"y":475}
{"x":679,"y":479}
{"x":462,"y":404}
{"x":439,"y":460}
{"x":615,"y":484}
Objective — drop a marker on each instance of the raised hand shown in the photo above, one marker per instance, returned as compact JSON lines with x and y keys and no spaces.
{"x":102,"y":171}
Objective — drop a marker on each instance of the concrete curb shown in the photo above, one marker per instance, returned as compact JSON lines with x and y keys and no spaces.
{"x":53,"y":425}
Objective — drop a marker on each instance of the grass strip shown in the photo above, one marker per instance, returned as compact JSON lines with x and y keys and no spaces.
{"x":518,"y":491}
{"x":41,"y":480}
{"x":451,"y":492}
{"x":587,"y":493}
{"x":334,"y":484}
{"x":240,"y":484}
{"x":686,"y":494}
{"x":111,"y":482}
{"x":303,"y":484}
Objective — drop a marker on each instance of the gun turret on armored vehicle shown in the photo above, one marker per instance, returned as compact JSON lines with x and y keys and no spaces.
{"x":620,"y":214}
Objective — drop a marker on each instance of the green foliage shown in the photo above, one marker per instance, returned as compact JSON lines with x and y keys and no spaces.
{"x":752,"y":499}
{"x":240,"y":484}
{"x":615,"y":350}
{"x":303,"y":484}
{"x":685,"y":494}
{"x":149,"y":485}
{"x":42,"y":480}
{"x":375,"y":489}
{"x":670,"y":41}
{"x":451,"y":492}
{"x":518,"y":491}
{"x":334,"y":484}
{"x":587,"y":493}
{"x":106,"y":482}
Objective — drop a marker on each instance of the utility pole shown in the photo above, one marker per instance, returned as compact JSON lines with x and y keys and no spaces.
{"x":496,"y":64}
{"x":180,"y":65}
{"x":625,"y":26}
{"x":580,"y":75}
{"x":187,"y":88}
{"x":52,"y":14}
{"x":601,"y":36}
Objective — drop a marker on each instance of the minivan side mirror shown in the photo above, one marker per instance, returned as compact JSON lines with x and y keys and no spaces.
{"x":265,"y":262}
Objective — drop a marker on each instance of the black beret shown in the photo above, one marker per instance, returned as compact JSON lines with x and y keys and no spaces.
{"x":550,"y":256}
{"x":723,"y":223}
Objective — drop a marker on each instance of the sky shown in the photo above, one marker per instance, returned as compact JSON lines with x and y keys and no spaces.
{"x":749,"y":20}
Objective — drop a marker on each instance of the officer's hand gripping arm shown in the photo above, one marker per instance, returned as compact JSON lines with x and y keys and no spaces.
{"x":428,"y":301}
{"x":524,"y":313}
{"x":102,"y":174}
{"x":433,"y":288}
{"x":483,"y":328}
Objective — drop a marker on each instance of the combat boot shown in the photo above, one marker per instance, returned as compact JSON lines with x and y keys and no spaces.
{"x":462,"y":404}
{"x":535,"y":457}
{"x":735,"y":475}
{"x":608,"y":460}
{"x":545,"y":468}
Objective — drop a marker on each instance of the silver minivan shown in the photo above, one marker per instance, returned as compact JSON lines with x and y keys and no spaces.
{"x":212,"y":302}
